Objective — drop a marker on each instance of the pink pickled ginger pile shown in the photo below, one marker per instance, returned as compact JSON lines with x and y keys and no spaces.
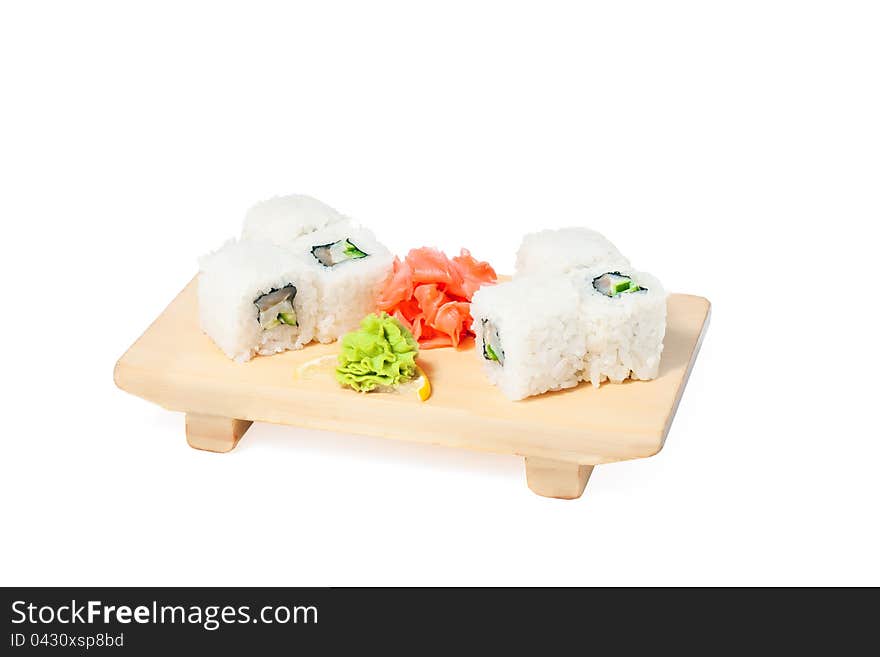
{"x":430,"y":294}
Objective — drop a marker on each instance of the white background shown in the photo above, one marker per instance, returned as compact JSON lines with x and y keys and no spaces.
{"x":731,"y":148}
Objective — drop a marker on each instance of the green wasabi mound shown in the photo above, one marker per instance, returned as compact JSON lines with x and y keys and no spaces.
{"x":381,"y":354}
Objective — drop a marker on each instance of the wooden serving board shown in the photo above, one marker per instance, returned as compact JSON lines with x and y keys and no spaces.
{"x":562,"y":435}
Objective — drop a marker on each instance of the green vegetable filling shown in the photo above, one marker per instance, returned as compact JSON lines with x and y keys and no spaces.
{"x":287,"y":318}
{"x":352,"y":251}
{"x":333,"y":253}
{"x":276,"y":307}
{"x":491,"y":352}
{"x":381,"y":353}
{"x":612,"y":284}
{"x":492,"y":343}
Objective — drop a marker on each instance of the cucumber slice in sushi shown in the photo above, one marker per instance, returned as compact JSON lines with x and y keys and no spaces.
{"x":492,"y":343}
{"x":613,"y":284}
{"x":287,"y":318}
{"x":334,"y":253}
{"x":276,"y":307}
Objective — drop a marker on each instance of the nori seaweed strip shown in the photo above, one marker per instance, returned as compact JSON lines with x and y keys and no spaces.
{"x":319,"y":258}
{"x":485,"y":353}
{"x":328,"y":246}
{"x":617,"y":273}
{"x":273,"y":291}
{"x":486,"y":346}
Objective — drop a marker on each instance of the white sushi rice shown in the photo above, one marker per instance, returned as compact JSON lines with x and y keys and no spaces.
{"x":555,"y":330}
{"x":346,"y":291}
{"x":282,"y":219}
{"x":537,"y":320}
{"x":560,"y":251}
{"x":624,"y":333}
{"x":233,"y":278}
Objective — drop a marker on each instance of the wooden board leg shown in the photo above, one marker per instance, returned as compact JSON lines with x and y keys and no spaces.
{"x":564,"y":481}
{"x":214,"y":434}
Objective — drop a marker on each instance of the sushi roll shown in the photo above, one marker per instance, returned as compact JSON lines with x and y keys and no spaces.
{"x":256,"y":298}
{"x":560,"y":251}
{"x":282,"y":219}
{"x":528,"y":335}
{"x":349,"y":266}
{"x":623,"y":316}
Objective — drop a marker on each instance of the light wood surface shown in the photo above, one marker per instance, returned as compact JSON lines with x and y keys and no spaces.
{"x":175,"y":365}
{"x":214,"y":434}
{"x":564,"y":481}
